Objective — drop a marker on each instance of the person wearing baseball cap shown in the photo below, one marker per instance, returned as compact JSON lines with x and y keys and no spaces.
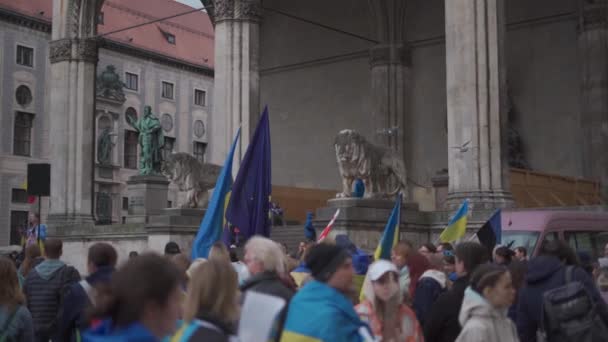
{"x":383,"y":308}
{"x":322,"y":310}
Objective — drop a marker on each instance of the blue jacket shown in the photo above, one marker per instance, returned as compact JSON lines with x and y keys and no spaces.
{"x":431,"y":284}
{"x":135,"y":332}
{"x":76,"y":302}
{"x":547,"y":273}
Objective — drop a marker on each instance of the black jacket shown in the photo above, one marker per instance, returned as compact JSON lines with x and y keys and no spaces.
{"x":268,"y":283}
{"x":442,"y":323}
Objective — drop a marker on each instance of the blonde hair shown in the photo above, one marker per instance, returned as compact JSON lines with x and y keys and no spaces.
{"x":267,"y":252}
{"x":219,"y":251}
{"x":214,"y":290}
{"x":403,"y":248}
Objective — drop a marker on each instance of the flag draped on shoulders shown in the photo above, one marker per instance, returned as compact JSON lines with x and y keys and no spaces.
{"x":390,"y":236}
{"x":210,"y":230}
{"x":457,"y":225}
{"x":250,"y":198}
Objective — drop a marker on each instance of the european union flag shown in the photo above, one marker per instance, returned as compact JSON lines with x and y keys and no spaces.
{"x":210,"y":230}
{"x":490,"y":233}
{"x":250,"y":199}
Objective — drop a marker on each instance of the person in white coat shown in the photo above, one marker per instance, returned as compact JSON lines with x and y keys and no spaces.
{"x":483,"y":315}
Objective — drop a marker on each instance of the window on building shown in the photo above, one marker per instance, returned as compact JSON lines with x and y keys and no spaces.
{"x":131,"y":81}
{"x":199,"y":151}
{"x":18,"y":226}
{"x":130,"y":150}
{"x":23,"y":95}
{"x":100,"y":18}
{"x":25,"y":56}
{"x":167,"y":90}
{"x":19,"y":196}
{"x":125,"y":203}
{"x":131,"y":114}
{"x":168,"y":147}
{"x":200,"y":97}
{"x":22,"y":137}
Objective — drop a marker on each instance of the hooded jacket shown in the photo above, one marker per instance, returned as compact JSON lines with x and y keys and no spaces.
{"x":105,"y":332}
{"x":481,"y":322}
{"x":44,"y":289}
{"x":547,"y":273}
{"x":431,"y":284}
{"x":20,"y":327}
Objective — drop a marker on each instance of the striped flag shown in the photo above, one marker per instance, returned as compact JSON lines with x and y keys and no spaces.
{"x":327,"y":229}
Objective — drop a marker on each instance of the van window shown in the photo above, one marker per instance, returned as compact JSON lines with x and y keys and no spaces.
{"x":524,"y":239}
{"x":590,"y":242}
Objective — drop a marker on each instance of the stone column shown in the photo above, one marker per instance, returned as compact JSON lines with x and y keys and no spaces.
{"x":593,"y":53}
{"x":73,"y":57}
{"x":237,"y":77}
{"x":475,"y":75}
{"x":390,"y":66}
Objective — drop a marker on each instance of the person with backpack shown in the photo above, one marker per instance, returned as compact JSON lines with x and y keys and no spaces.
{"x":483,"y":314}
{"x":101,"y":262}
{"x":560,"y":301}
{"x":15,"y":319}
{"x":45,"y":288}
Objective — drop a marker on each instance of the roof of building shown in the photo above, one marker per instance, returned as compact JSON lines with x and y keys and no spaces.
{"x":192,"y":33}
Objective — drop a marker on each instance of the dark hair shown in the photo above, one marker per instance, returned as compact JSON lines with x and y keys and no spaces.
{"x":133,"y":254}
{"x":147,"y":278}
{"x":506,"y":253}
{"x":172,"y":248}
{"x":53,"y":248}
{"x":561,"y":250}
{"x":472,"y":254}
{"x":31,"y":253}
{"x":518,"y":271}
{"x":522,"y":250}
{"x":446,"y":246}
{"x":430,"y":247}
{"x":486,"y":275}
{"x":102,"y":254}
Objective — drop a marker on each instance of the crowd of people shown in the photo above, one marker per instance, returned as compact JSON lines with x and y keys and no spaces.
{"x":433,"y":293}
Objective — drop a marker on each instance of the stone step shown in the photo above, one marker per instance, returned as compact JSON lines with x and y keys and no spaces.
{"x":289,"y":235}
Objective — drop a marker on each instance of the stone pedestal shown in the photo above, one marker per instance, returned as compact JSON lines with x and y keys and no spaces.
{"x":174,"y":224}
{"x":476,"y":103}
{"x":363,"y":220}
{"x":147,"y":197}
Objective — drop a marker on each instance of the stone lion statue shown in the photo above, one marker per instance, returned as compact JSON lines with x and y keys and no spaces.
{"x":191,"y":176}
{"x":374,"y":165}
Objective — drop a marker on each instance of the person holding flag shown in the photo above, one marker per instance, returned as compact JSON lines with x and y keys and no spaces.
{"x":35,"y":232}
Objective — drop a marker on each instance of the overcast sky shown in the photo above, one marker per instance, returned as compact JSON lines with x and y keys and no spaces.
{"x":191,"y":3}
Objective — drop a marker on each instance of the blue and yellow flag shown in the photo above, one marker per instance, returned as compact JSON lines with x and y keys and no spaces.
{"x":390,"y":237}
{"x":457,"y":225}
{"x":210,"y":230}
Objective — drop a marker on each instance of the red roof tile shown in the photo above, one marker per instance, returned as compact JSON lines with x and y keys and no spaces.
{"x":193,"y":32}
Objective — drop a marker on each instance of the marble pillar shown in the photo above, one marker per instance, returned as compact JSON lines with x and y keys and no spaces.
{"x":593,"y":52}
{"x":476,"y":95}
{"x":390,"y":66}
{"x":73,"y":57}
{"x":237,"y":76}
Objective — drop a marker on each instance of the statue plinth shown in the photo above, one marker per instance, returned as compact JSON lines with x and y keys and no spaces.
{"x":363,"y":220}
{"x":147,"y":196}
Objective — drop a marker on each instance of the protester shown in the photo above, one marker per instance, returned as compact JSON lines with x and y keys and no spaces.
{"x":449,"y":266}
{"x":301,"y":274}
{"x":211,"y":304}
{"x":518,"y":270}
{"x":602,"y":284}
{"x":45,"y":288}
{"x":417,"y":264}
{"x":431,"y":284}
{"x":15,"y":319}
{"x":265,"y":262}
{"x":546,"y":272}
{"x":141,"y":304}
{"x":172,"y":248}
{"x":219,"y":251}
{"x":503,"y":256}
{"x":383,"y":308}
{"x":521,"y":253}
{"x":32,"y":259}
{"x":399,"y":256}
{"x":444,"y":246}
{"x":35,"y":230}
{"x":238,"y":265}
{"x":427,"y":248}
{"x":483,"y":312}
{"x":133,"y":254}
{"x":442,"y":322}
{"x":193,"y":266}
{"x":182,"y":262}
{"x":321,"y":310}
{"x":101,"y":262}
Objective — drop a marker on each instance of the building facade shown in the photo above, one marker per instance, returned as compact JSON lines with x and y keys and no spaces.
{"x":167,"y":65}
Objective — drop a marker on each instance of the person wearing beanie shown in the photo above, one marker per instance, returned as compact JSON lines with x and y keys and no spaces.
{"x":321,"y":310}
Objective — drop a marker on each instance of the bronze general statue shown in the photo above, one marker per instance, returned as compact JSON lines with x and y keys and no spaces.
{"x":151,"y":141}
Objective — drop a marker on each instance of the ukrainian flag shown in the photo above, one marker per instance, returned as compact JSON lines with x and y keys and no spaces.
{"x":390,"y":237}
{"x":457,"y":225}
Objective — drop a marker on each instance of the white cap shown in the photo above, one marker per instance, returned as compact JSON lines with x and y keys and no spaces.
{"x":379,"y":268}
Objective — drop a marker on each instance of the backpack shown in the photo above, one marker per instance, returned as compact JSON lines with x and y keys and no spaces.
{"x":569,"y":314}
